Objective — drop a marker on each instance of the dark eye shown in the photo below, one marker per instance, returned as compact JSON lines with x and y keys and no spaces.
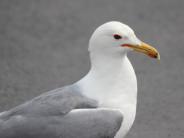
{"x":117,"y":37}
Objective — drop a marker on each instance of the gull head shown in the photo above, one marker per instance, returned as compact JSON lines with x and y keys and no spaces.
{"x":116,"y":38}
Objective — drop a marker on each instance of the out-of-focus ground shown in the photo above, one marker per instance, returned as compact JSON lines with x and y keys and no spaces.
{"x":43,"y":45}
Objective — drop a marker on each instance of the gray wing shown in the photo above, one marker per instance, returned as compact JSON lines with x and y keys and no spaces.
{"x":62,"y":113}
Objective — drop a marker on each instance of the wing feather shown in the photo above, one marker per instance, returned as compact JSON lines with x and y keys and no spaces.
{"x":93,"y":123}
{"x":62,"y":113}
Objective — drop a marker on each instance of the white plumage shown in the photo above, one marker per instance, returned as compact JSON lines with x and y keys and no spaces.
{"x":112,"y":80}
{"x":102,"y":104}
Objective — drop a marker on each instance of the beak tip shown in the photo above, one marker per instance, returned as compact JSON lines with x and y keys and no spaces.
{"x":158,"y":56}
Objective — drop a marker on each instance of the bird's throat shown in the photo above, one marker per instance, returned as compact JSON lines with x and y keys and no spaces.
{"x":112,"y":83}
{"x":110,"y":79}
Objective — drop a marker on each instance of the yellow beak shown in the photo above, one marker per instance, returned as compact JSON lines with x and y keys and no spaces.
{"x":144,"y":48}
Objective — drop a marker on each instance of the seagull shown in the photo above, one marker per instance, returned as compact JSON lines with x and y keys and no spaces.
{"x":100,"y":105}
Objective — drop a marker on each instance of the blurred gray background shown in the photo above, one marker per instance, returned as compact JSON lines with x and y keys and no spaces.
{"x":43,"y":45}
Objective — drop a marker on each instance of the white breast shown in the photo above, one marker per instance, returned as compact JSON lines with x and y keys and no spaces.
{"x":114,"y":88}
{"x":123,"y":99}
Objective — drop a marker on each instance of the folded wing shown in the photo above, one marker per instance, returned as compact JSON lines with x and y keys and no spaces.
{"x":62,"y":113}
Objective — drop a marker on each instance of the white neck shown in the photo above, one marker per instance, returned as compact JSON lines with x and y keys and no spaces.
{"x":112,"y":82}
{"x":110,"y":77}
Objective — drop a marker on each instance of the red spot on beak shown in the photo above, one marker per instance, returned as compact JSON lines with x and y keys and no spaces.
{"x":126,"y":45}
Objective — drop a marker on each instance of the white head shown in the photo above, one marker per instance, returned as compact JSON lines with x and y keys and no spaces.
{"x":112,"y":80}
{"x":115,"y":38}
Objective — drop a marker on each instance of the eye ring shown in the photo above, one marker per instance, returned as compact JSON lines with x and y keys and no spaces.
{"x":117,"y":36}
